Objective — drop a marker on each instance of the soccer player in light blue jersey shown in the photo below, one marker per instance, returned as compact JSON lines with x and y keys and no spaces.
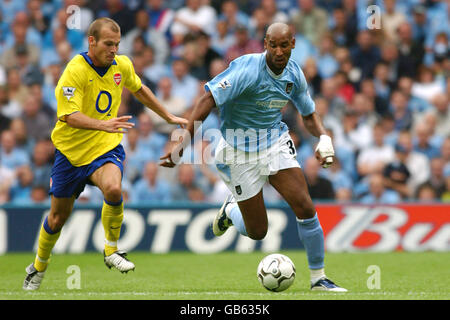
{"x":256,"y":146}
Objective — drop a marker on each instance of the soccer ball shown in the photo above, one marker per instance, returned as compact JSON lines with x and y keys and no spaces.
{"x":276,"y":272}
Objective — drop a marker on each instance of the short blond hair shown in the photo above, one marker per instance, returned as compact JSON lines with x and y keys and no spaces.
{"x":96,"y":27}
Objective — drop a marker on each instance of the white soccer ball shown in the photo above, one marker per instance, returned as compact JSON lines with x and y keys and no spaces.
{"x":276,"y":272}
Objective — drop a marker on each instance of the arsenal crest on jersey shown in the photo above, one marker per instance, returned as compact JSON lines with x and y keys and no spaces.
{"x":117,"y":78}
{"x":289,"y":87}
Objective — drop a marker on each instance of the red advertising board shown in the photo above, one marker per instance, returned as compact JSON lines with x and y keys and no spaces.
{"x":410,"y":227}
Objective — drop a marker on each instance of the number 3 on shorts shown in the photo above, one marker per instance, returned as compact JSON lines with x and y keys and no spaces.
{"x":290,"y":144}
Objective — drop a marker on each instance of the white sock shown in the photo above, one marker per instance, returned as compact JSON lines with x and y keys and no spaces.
{"x":317,"y":274}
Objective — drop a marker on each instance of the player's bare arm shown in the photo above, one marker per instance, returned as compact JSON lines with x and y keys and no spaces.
{"x":201,"y":110}
{"x":116,"y":125}
{"x":324,"y":151}
{"x":147,"y":98}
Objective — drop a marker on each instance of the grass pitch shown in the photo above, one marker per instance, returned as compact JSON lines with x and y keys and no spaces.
{"x":229,"y":276}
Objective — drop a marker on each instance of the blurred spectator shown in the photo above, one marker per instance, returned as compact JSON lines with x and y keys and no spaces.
{"x":52,"y":74}
{"x":244,"y":45}
{"x":425,"y":193}
{"x":11,"y":157}
{"x":194,"y":17}
{"x":396,"y":173}
{"x":338,"y":177}
{"x":365,"y":54}
{"x":327,"y":64}
{"x":381,"y":80}
{"x":21,"y":189}
{"x":259,"y":22}
{"x":22,"y":39}
{"x":232,"y":16}
{"x":205,"y":51}
{"x":41,"y":166}
{"x":149,"y":189}
{"x":356,"y":135}
{"x":137,"y":156}
{"x":161,"y":17}
{"x":446,"y":195}
{"x":415,"y":104}
{"x":365,"y":109}
{"x":319,"y":187}
{"x":437,"y":178}
{"x":378,"y":193}
{"x":399,"y":107}
{"x":272,"y":13}
{"x":422,"y":141}
{"x":313,"y":78}
{"x":374,"y":158}
{"x":419,"y":23}
{"x":17,"y":92}
{"x":328,"y":90}
{"x":183,"y":83}
{"x":39,"y":195}
{"x":7,"y":177}
{"x":24,"y":141}
{"x":391,"y":19}
{"x":193,"y":57}
{"x":426,"y":86}
{"x":188,"y":187}
{"x":390,"y":57}
{"x":151,"y":36}
{"x":173,"y":103}
{"x":417,"y":163}
{"x":216,"y":67}
{"x":152,"y":70}
{"x":222,"y":40}
{"x":148,"y":138}
{"x":343,"y":34}
{"x":119,"y":12}
{"x":38,"y":123}
{"x":311,"y":21}
{"x":368,"y":90}
{"x":411,"y":53}
{"x":445,"y":150}
{"x":441,"y":109}
{"x":345,"y":89}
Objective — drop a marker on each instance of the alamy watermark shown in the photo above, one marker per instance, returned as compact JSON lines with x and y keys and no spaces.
{"x":374,"y":280}
{"x":73,"y":281}
{"x":374,"y":19}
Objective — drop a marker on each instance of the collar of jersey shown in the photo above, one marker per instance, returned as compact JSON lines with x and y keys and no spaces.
{"x":100,"y":70}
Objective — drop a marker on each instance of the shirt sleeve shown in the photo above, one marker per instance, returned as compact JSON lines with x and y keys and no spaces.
{"x":69,"y":93}
{"x":132,"y":80}
{"x":302,"y":99}
{"x":231,"y":83}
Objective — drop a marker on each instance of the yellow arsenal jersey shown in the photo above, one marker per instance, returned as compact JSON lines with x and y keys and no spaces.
{"x":96,"y":92}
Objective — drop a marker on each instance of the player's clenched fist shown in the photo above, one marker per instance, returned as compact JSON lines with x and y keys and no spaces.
{"x":324,"y":151}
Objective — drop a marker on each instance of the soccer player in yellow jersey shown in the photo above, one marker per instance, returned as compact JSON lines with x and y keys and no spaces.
{"x":87,"y":138}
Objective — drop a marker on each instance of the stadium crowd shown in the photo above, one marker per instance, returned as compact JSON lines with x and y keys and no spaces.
{"x":379,"y":76}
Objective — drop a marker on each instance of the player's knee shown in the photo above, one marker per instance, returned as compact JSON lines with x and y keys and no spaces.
{"x":56,"y":221}
{"x":305,"y":209}
{"x":113,"y":192}
{"x":258,"y":234}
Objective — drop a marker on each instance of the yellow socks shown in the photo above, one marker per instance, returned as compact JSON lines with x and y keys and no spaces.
{"x":112,"y":217}
{"x":47,"y":240}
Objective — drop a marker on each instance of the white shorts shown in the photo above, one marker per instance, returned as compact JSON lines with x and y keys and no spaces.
{"x":245,"y":173}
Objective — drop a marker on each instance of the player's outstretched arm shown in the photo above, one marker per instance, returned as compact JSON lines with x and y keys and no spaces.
{"x":324,"y":151}
{"x":148,"y":99}
{"x":200,"y":112}
{"x":116,"y":125}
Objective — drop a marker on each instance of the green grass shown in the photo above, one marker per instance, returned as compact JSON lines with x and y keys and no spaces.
{"x":229,"y":275}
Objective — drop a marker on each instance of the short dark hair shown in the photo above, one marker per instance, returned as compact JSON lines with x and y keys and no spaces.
{"x":96,"y":27}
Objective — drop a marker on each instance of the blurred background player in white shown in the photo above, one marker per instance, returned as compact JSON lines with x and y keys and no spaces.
{"x":250,"y":95}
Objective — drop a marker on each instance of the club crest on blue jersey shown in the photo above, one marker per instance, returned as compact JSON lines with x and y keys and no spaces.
{"x":224,"y":84}
{"x":289,"y":87}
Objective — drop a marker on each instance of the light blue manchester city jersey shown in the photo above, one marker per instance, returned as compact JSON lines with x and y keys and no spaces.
{"x":250,"y":98}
